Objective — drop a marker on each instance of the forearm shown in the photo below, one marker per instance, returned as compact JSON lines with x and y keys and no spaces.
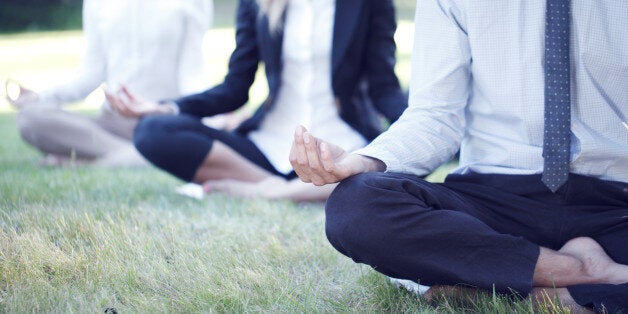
{"x":92,"y":70}
{"x":80,"y":85}
{"x":419,"y":142}
{"x":233,"y":93}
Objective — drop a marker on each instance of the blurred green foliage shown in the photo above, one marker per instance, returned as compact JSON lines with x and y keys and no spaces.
{"x":37,"y":15}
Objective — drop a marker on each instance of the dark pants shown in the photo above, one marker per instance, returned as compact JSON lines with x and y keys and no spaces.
{"x":479,"y":230}
{"x":179,"y":144}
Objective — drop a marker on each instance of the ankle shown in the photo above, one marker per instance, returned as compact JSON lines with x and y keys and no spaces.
{"x":595,"y":264}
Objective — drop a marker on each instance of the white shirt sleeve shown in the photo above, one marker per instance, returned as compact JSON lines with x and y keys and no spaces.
{"x":199,"y":18}
{"x":92,"y":70}
{"x":430,"y":130}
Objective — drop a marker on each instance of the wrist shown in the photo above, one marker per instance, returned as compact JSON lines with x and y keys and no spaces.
{"x":168,"y":107}
{"x":371,"y":164}
{"x":366,"y":164}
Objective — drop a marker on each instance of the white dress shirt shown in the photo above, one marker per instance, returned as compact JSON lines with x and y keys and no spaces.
{"x":477,"y":83}
{"x":152,"y":46}
{"x":305,"y":97}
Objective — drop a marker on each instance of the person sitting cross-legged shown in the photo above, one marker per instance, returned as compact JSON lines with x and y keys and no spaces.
{"x":534,"y":95}
{"x":328,"y":64}
{"x":126,"y":42}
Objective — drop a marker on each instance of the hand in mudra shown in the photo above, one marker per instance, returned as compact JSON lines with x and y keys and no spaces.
{"x":132,"y":106}
{"x":320,"y":162}
{"x":19,"y":96}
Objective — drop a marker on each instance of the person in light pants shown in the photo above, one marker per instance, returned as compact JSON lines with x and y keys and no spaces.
{"x":153,"y":47}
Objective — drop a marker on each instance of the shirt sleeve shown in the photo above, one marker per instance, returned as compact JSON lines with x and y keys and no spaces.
{"x":384,"y":88}
{"x":430,"y":130}
{"x":198,"y":19}
{"x":92,"y":70}
{"x":233,"y":92}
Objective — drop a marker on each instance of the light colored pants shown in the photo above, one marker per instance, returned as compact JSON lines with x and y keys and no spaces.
{"x":105,"y":140}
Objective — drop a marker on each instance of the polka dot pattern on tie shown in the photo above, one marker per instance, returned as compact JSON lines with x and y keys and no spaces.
{"x":556,"y":138}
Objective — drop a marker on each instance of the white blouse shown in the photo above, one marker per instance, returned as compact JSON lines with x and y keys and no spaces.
{"x":154,"y":47}
{"x":305,"y":96}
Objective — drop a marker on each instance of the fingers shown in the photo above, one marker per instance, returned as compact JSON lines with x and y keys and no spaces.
{"x":127,"y":104}
{"x":311,"y":159}
{"x":318,"y":174}
{"x":326,"y":158}
{"x":125,"y":91}
{"x":13,"y":91}
{"x":117,"y":104}
{"x":298,"y":155}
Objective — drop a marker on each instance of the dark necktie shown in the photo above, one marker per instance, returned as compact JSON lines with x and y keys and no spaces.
{"x":556,"y":138}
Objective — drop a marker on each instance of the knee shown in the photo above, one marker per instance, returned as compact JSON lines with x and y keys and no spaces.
{"x":351,"y":212}
{"x":149,"y":134}
{"x":29,"y":121}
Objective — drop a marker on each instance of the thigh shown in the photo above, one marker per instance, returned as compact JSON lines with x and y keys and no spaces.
{"x":519,"y":205}
{"x":499,"y":208}
{"x":406,"y":227}
{"x":599,"y":209}
{"x":59,"y":132}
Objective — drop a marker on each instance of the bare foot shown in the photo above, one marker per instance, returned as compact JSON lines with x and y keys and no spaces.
{"x":232,"y":187}
{"x":550,"y":299}
{"x":269,"y":188}
{"x":595,"y":262}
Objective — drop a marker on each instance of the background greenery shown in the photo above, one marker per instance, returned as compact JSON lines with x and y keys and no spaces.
{"x":33,"y":15}
{"x":38,"y":15}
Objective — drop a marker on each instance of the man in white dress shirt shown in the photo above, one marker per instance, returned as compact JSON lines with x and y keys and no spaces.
{"x":540,"y":198}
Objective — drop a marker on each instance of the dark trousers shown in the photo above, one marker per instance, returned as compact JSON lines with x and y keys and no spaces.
{"x":179,"y":144}
{"x":478,"y":230}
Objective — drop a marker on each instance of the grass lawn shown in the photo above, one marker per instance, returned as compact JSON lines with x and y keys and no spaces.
{"x":85,"y":239}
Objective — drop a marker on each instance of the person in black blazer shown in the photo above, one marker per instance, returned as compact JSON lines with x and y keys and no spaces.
{"x":327,"y":63}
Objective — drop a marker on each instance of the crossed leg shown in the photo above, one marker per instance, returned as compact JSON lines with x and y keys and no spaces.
{"x":68,"y":137}
{"x":469,"y":232}
{"x":220,"y":160}
{"x":580,"y":261}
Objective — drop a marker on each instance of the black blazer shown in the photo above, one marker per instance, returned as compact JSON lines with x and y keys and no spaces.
{"x":363,"y":59}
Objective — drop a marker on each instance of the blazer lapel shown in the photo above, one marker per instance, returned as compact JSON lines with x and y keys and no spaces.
{"x":345,"y":22}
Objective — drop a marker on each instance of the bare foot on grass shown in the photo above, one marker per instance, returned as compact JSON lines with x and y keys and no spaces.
{"x":269,"y":188}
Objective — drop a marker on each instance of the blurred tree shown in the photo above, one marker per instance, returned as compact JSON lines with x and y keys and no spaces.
{"x":27,"y":15}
